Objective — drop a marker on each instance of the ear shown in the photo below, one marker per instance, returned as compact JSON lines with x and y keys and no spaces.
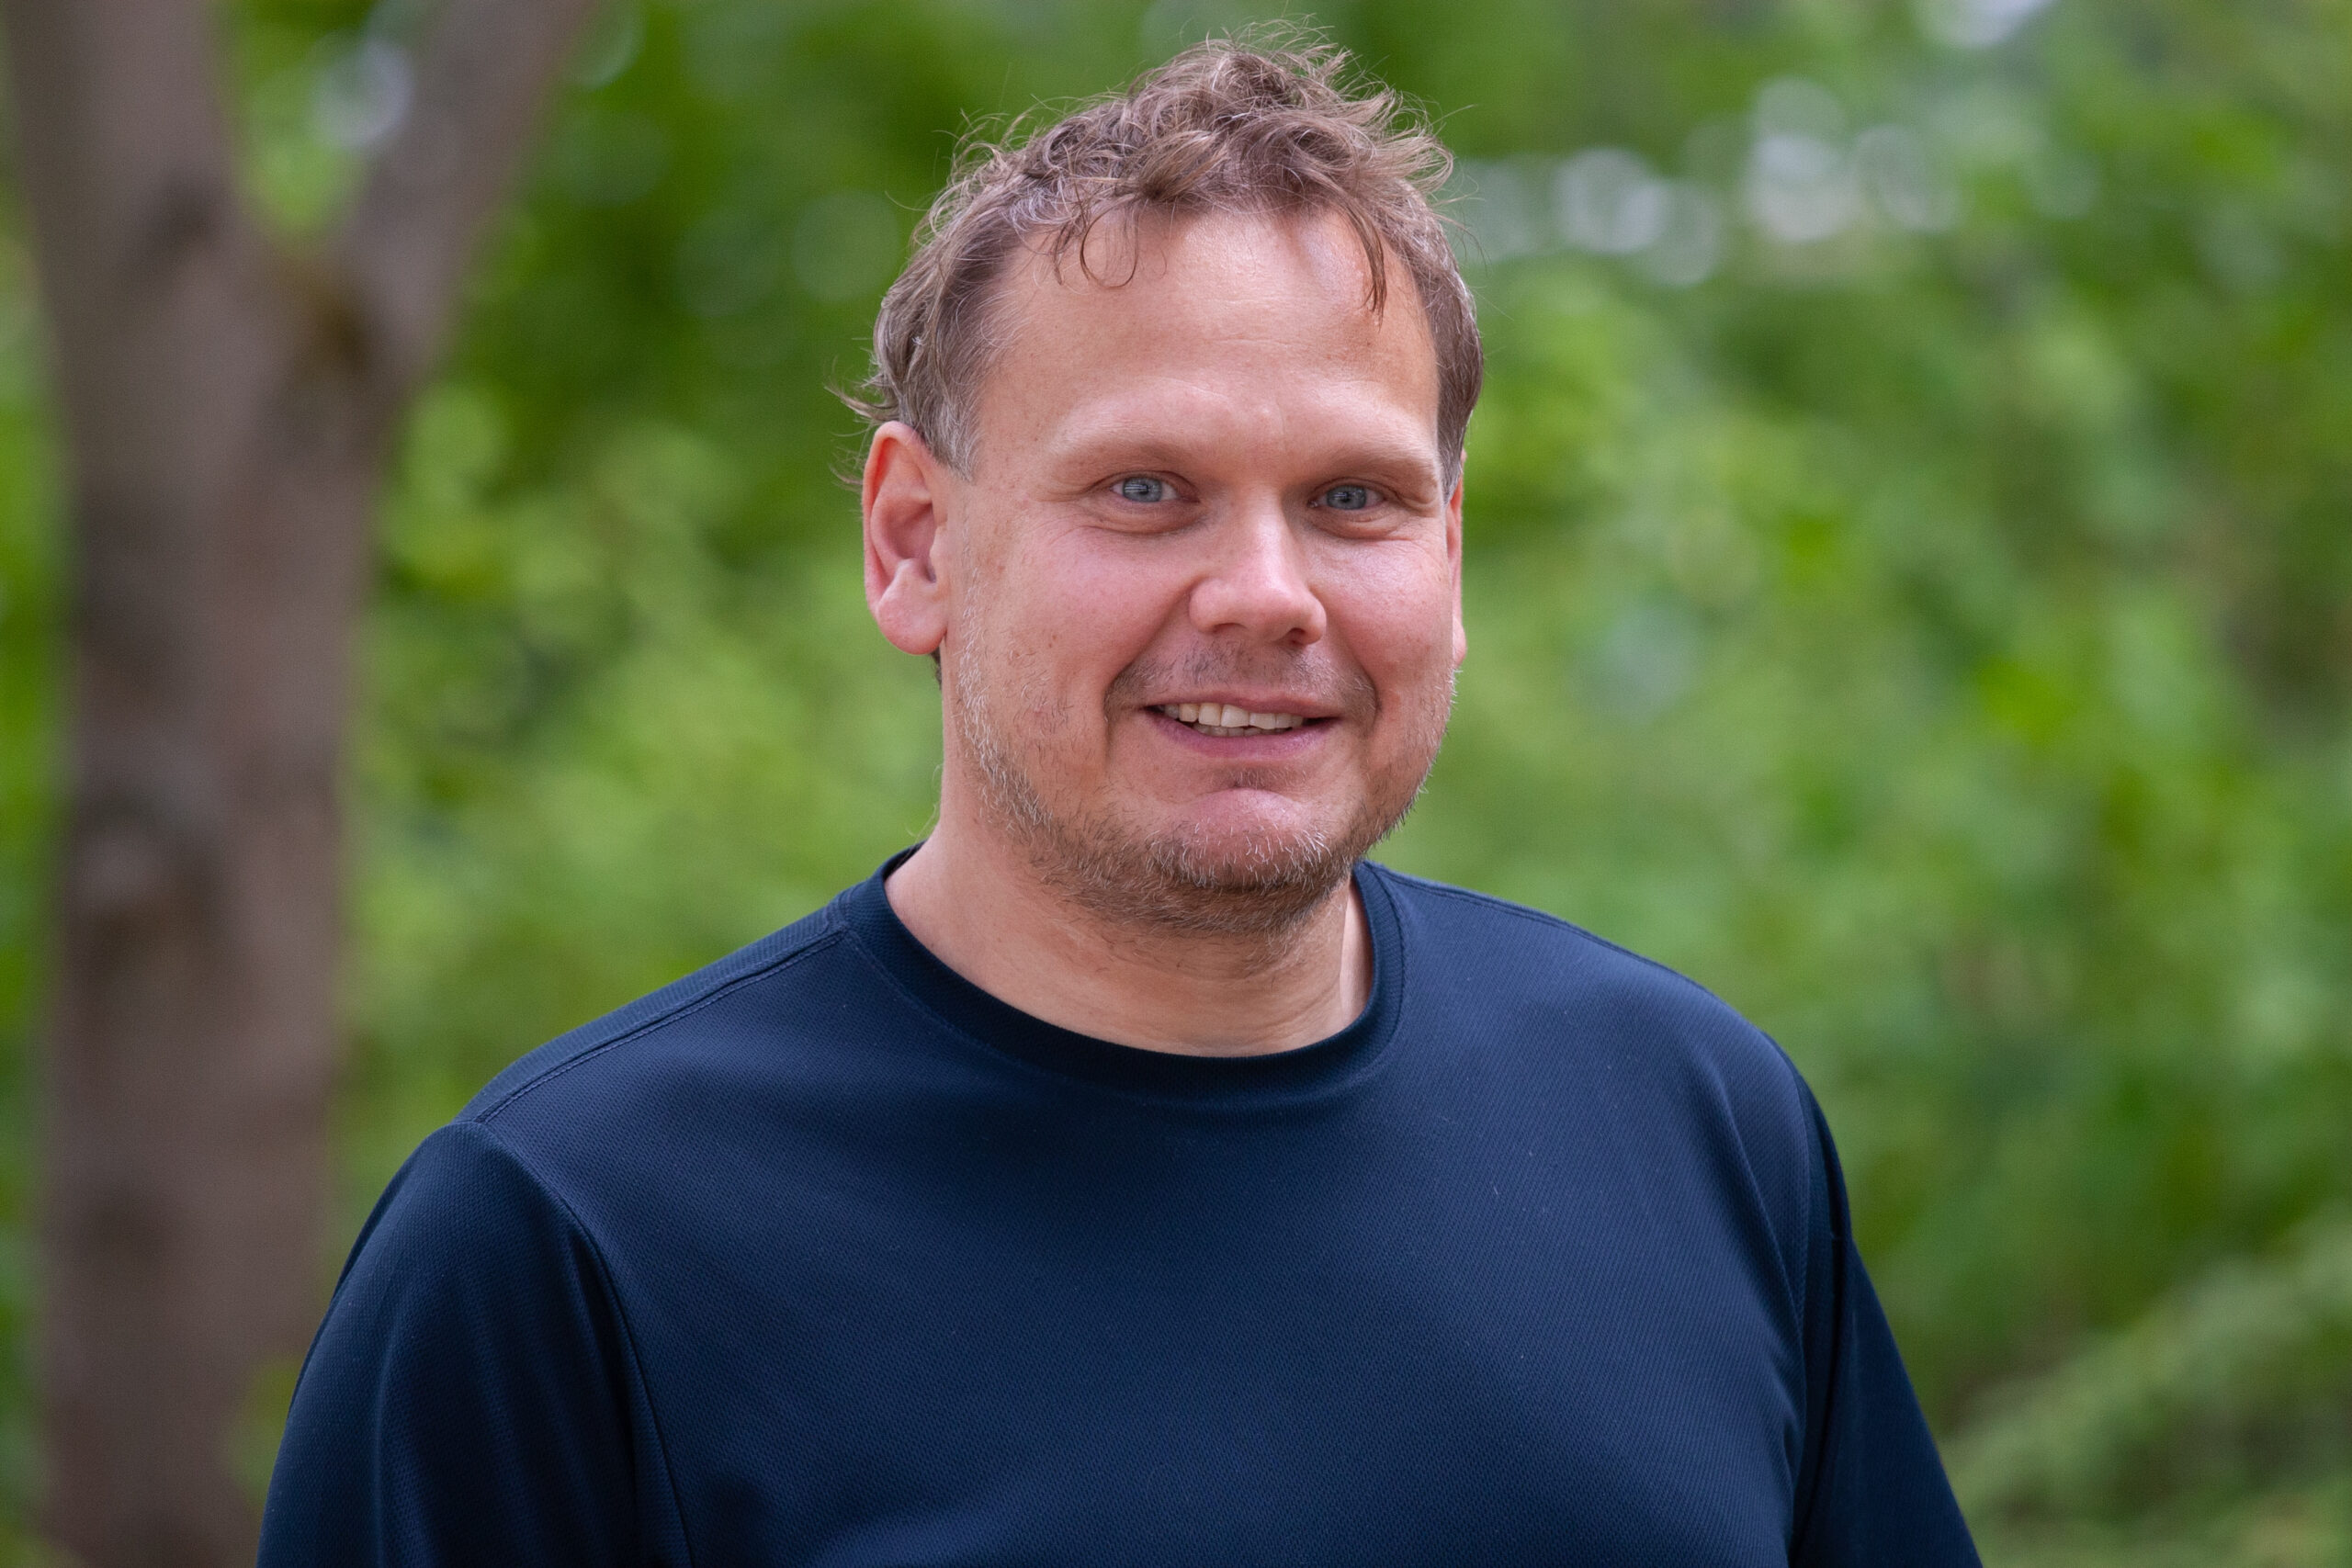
{"x":1454,"y":560}
{"x":905,"y":488}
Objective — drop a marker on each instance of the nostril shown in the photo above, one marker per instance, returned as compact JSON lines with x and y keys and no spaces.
{"x":1273,"y":610}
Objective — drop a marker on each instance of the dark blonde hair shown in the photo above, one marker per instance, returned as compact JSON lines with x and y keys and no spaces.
{"x":1265,"y":123}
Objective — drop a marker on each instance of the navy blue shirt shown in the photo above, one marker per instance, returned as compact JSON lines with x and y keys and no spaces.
{"x":824,"y":1256}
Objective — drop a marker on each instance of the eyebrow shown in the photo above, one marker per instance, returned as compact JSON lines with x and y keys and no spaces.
{"x":1118,"y":442}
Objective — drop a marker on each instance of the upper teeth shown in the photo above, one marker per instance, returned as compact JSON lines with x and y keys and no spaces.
{"x":1224,"y":718}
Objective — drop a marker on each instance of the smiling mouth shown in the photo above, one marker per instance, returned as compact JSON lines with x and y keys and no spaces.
{"x":1224,"y":718}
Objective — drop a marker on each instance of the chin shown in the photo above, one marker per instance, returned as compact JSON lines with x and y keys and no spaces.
{"x":1259,"y":830}
{"x":1234,"y":871}
{"x":1237,"y":869}
{"x":1234,"y":861}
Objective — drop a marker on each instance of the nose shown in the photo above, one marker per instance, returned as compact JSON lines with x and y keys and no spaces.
{"x":1258,"y":586}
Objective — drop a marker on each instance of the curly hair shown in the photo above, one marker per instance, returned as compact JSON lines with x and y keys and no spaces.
{"x":1264,"y":123}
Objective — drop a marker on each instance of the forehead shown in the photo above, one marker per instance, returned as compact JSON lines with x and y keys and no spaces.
{"x":1244,"y":323}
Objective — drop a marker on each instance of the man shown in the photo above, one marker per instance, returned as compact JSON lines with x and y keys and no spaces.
{"x":1130,"y":1174}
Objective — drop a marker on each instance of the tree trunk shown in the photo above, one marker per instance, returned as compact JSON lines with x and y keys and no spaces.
{"x":190,"y":1062}
{"x":226,"y":409}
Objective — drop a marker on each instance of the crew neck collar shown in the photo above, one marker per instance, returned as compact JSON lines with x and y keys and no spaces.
{"x":1303,"y":1072}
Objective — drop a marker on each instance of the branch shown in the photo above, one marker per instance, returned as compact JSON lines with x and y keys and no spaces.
{"x":486,"y":70}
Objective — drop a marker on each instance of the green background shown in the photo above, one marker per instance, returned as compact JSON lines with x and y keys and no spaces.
{"x":1908,"y":580}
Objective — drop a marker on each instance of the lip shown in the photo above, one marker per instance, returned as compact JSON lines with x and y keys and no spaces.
{"x":1253,"y":702}
{"x":1275,"y":746}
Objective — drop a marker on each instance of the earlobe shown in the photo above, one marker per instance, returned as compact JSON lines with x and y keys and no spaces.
{"x":904,"y":492}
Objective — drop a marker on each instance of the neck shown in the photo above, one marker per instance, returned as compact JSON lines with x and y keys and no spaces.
{"x":982,"y":908}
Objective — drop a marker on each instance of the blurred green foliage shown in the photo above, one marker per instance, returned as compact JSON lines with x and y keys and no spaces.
{"x":1908,"y":582}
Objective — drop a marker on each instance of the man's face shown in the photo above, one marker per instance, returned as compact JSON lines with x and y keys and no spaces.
{"x":1202,"y":585}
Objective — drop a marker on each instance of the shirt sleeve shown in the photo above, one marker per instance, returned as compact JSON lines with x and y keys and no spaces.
{"x":470,"y":1397}
{"x":1873,"y":1493}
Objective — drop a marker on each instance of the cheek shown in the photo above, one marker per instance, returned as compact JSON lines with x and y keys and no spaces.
{"x":1395,"y":611}
{"x":1063,"y":616}
{"x":1089,"y":607}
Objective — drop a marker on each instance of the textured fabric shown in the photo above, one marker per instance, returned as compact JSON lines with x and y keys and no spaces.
{"x":824,"y":1256}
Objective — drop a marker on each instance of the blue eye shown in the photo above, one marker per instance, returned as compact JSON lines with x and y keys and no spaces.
{"x":1143,"y":488}
{"x":1348,"y":498}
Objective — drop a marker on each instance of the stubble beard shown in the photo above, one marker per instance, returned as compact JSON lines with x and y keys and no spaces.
{"x":1263,"y":884}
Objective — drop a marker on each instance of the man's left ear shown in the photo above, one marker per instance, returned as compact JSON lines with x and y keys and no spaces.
{"x":1453,"y":556}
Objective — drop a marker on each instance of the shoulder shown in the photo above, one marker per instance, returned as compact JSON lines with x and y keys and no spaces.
{"x":758,"y":1047}
{"x":1540,"y":985}
{"x":1460,"y":938}
{"x":465,"y":1217}
{"x":613,"y":1129}
{"x":758,"y":981}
